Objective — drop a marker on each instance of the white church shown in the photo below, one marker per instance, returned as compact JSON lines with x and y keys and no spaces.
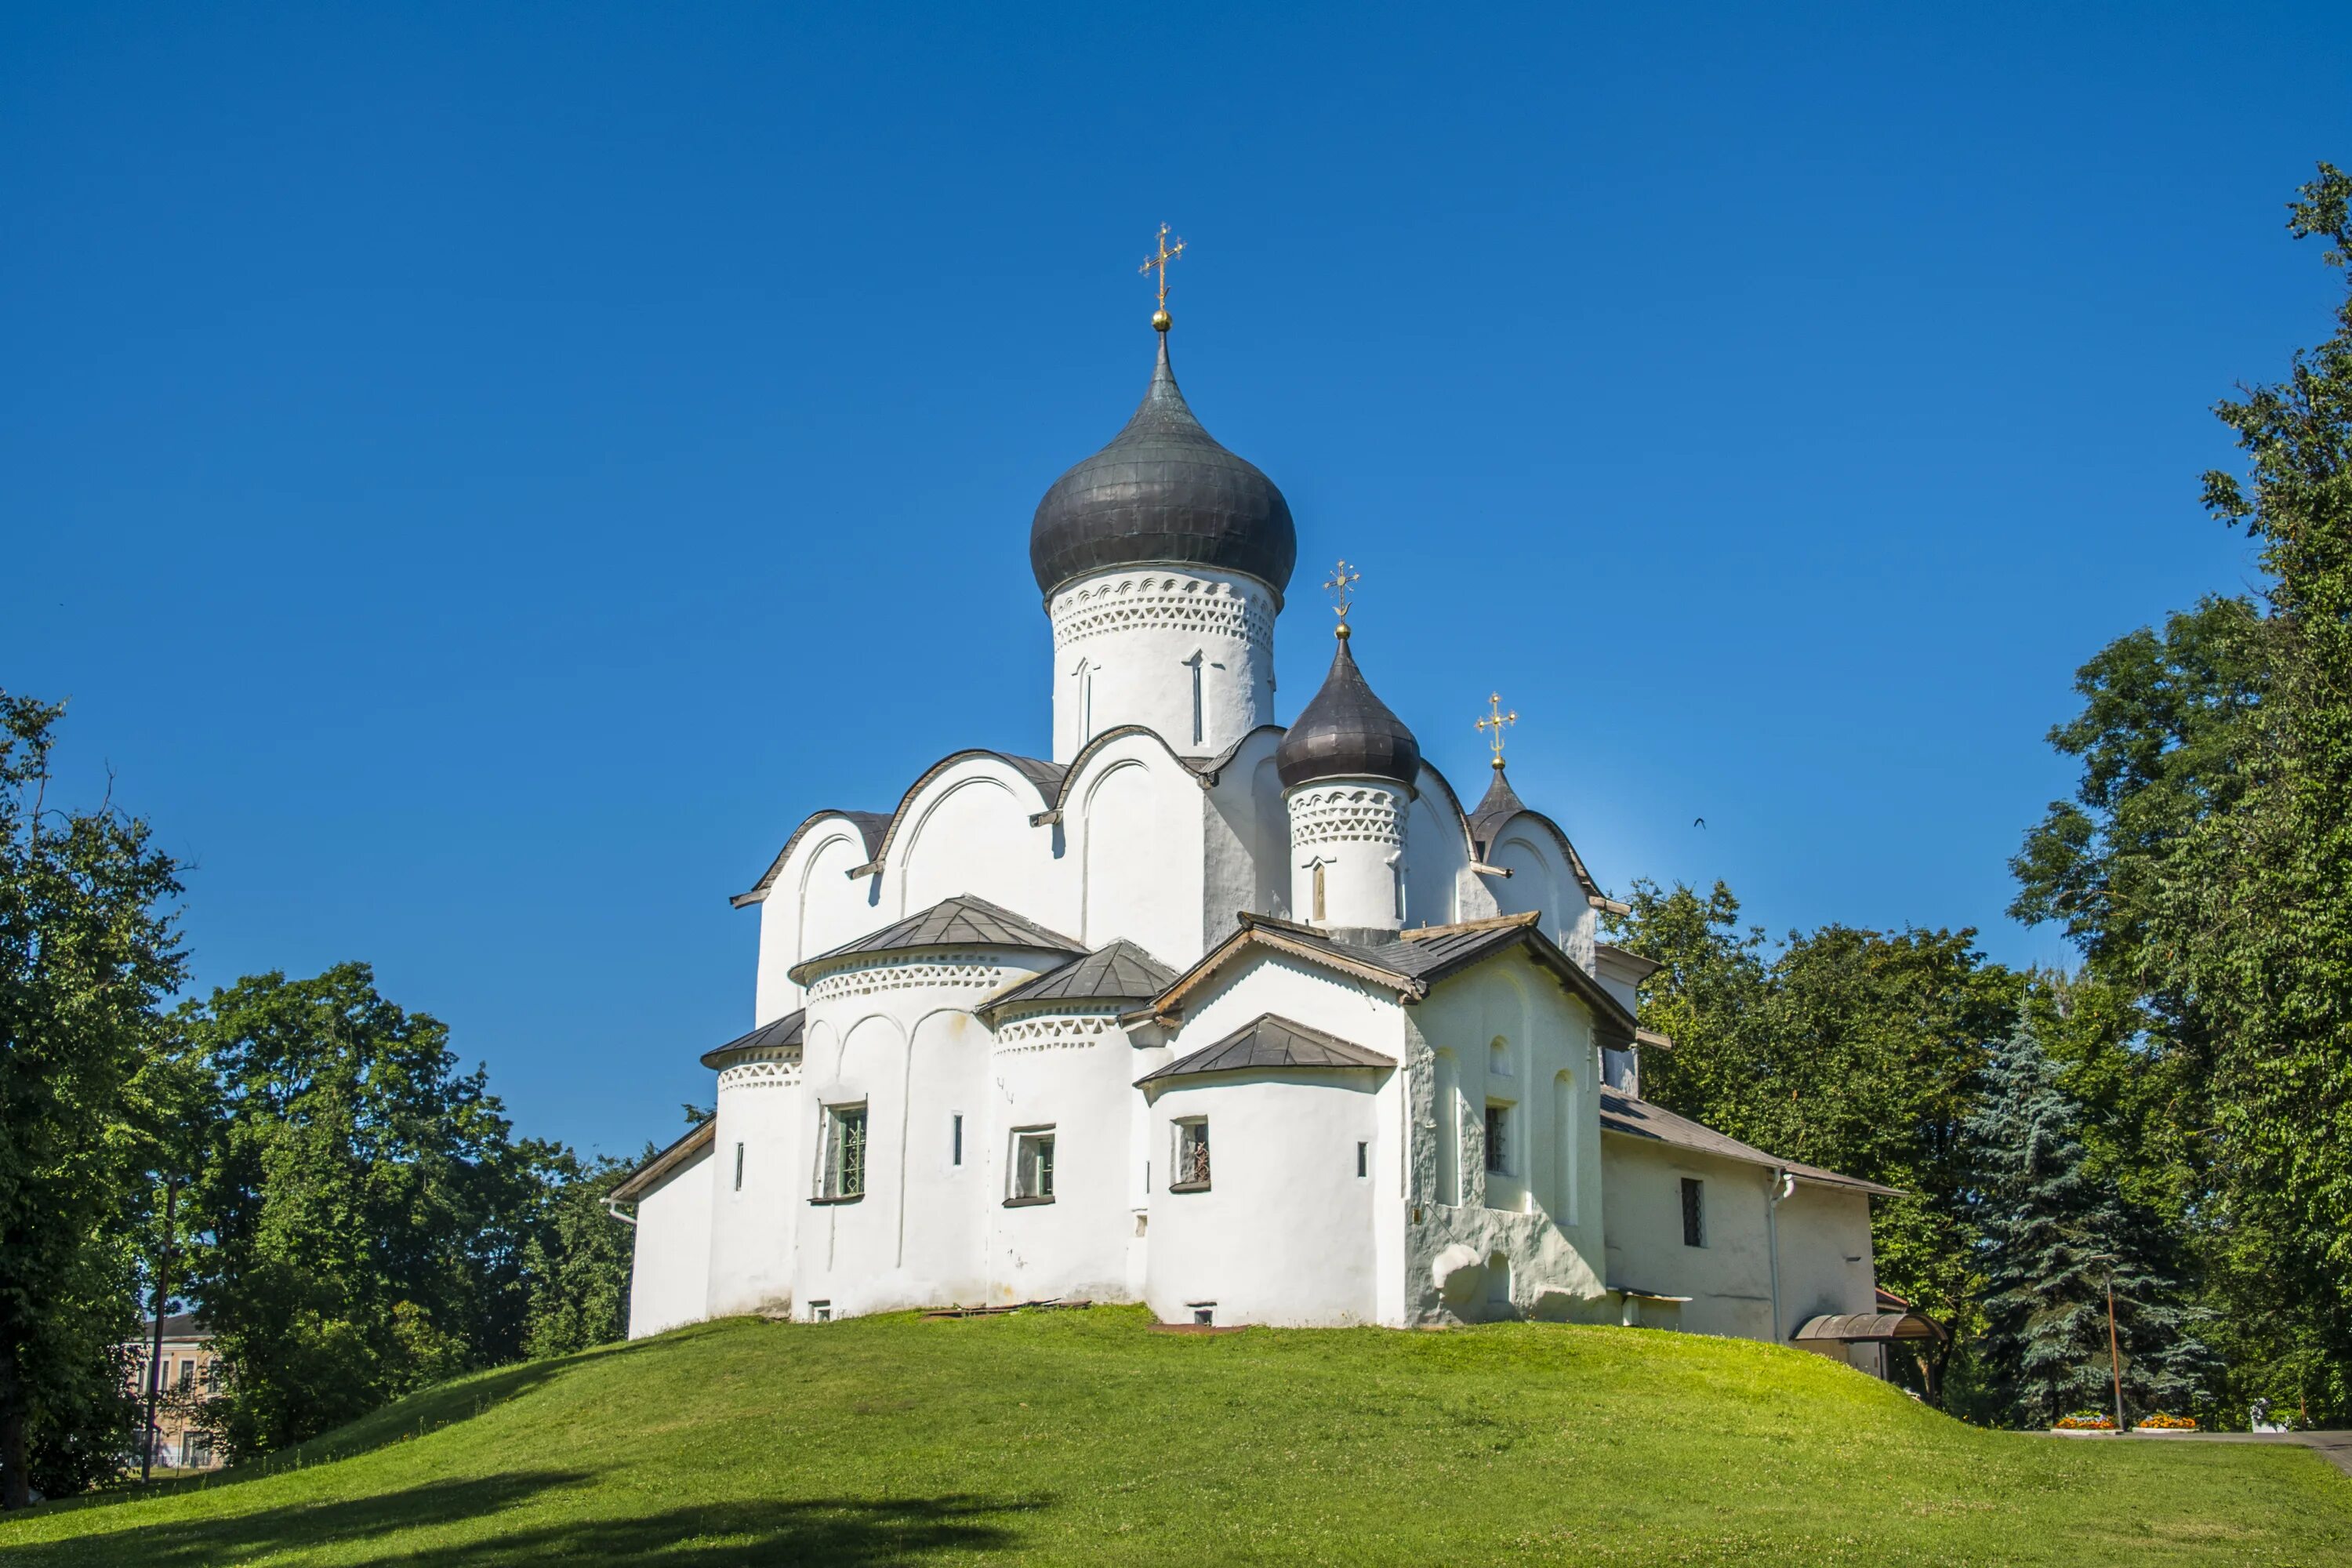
{"x":1250,"y":1023}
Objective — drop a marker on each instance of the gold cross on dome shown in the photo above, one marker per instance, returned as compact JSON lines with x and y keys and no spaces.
{"x":1340,"y":585}
{"x":1493,"y":721}
{"x":1166,"y":253}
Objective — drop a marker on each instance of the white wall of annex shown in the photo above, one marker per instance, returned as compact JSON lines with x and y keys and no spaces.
{"x":669,"y":1270}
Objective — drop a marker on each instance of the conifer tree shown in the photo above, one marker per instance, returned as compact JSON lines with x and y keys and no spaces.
{"x":2056,"y":1238}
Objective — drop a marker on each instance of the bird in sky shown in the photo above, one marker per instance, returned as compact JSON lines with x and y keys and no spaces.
{"x":1699,"y":822}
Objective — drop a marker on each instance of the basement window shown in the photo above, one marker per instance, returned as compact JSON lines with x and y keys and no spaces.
{"x":844,"y":1154}
{"x":1032,"y":1166}
{"x":820,"y":1312}
{"x":1694,"y":1212}
{"x":1191,"y":1168}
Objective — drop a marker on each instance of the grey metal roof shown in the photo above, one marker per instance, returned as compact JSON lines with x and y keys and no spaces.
{"x":1116,"y":971}
{"x":1162,"y":492}
{"x":783,"y":1035}
{"x":1500,"y":803}
{"x":1269,"y":1040}
{"x":960,"y":922}
{"x":1639,"y":1119}
{"x":1345,"y":731}
{"x":1853,"y":1328}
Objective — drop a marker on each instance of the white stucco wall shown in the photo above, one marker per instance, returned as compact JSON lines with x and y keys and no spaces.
{"x":1503,"y":1033}
{"x":751,"y":1225}
{"x":1071,"y":1070}
{"x":1352,"y":832}
{"x":1135,"y":826}
{"x":1729,"y":1278}
{"x":1284,"y":1233}
{"x":1135,"y":646}
{"x":669,"y":1272}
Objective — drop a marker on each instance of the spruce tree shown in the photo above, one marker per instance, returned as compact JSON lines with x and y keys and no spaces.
{"x":2055,"y":1239}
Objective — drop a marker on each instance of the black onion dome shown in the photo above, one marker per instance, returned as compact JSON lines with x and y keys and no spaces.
{"x":1162,"y":492}
{"x":1347,"y":732}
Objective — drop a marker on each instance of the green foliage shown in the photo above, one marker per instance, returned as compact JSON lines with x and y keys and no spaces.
{"x":87,"y":1086}
{"x":1086,"y":1437}
{"x":1852,"y":1049}
{"x":362,"y":1199}
{"x":2056,"y":1241}
{"x":577,"y":1258}
{"x":2266,"y":917}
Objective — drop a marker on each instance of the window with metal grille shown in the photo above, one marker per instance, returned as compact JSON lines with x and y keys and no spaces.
{"x":1694,"y":1212}
{"x":845,"y":1152}
{"x":1191,"y":1156}
{"x":1498,"y":1122}
{"x":1032,"y":1166}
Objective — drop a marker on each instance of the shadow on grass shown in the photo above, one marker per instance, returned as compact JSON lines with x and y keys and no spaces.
{"x":721,"y":1536}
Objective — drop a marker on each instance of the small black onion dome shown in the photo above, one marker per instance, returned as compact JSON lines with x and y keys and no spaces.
{"x":1163,"y":491}
{"x":1347,"y":732}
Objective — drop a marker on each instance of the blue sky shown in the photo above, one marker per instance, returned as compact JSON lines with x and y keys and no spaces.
{"x":482,"y":473}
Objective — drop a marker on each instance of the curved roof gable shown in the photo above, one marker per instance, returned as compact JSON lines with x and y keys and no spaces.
{"x":783,"y":1035}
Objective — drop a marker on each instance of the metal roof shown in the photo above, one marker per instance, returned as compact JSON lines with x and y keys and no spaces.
{"x":1269,"y":1040}
{"x":960,"y":922}
{"x":1345,"y":731}
{"x":1633,"y":1118}
{"x":1162,"y":492}
{"x":783,"y":1035}
{"x":1858,"y":1327}
{"x":1116,"y":971}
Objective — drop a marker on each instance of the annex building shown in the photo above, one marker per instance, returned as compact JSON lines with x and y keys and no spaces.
{"x":1252,"y":1022}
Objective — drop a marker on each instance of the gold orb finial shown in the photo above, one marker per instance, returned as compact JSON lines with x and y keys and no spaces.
{"x":1166,"y":254}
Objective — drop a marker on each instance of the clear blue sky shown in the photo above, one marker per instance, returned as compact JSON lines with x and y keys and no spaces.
{"x":483,"y":473}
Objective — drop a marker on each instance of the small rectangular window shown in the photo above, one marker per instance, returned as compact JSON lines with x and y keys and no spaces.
{"x":1499,"y":1117}
{"x":738,"y":1167}
{"x":1363,"y":1159}
{"x":955,"y":1141}
{"x":200,"y":1450}
{"x":1032,"y":1166}
{"x":820,"y":1312}
{"x":1694,"y":1212}
{"x":845,"y":1152}
{"x":1191,"y":1156}
{"x":187,"y":1375}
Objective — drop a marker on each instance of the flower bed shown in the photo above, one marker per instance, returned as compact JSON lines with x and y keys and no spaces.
{"x":2160,"y":1422}
{"x":2084,"y":1421}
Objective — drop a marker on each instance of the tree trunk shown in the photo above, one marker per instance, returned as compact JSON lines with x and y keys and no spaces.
{"x":15,"y":1481}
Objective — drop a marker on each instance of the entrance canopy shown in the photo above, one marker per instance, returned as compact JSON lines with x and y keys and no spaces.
{"x":1872,"y":1328}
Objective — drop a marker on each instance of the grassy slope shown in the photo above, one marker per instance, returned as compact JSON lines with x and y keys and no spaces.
{"x":1078,"y":1438}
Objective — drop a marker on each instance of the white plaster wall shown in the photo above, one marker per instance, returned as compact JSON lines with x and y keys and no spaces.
{"x":1123,"y":641}
{"x":752,"y":1227}
{"x":1821,"y":1229}
{"x":1136,"y":818}
{"x":1537,"y":873}
{"x":1284,"y":1235}
{"x":669,"y":1270}
{"x":1729,"y":1279}
{"x":968,"y":832}
{"x":1305,"y":992}
{"x":1542,"y":1214}
{"x":1354,"y":831}
{"x":812,"y":906}
{"x":1440,"y":888}
{"x":1246,"y":845}
{"x":1073,"y":1071}
{"x":897,"y":1036}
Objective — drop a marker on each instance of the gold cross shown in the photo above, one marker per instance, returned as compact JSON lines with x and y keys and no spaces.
{"x":1495,"y":721}
{"x":1165,"y":256}
{"x":1339,"y":586}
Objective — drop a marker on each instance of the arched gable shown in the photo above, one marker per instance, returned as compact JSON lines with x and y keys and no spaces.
{"x":1134,"y":828}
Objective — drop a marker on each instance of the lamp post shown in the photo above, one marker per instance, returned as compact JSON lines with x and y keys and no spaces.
{"x":2115,"y":1355}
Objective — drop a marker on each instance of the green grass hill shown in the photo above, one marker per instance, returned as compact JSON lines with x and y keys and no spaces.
{"x":1086,"y":1437}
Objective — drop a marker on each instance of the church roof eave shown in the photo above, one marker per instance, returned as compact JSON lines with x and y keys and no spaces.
{"x":1625,"y":1116}
{"x":645,"y":1177}
{"x":870,"y":825}
{"x":958,"y":923}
